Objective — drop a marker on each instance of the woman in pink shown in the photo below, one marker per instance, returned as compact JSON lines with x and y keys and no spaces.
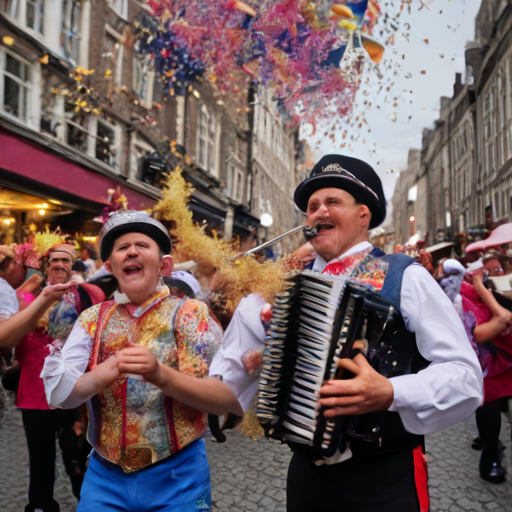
{"x":35,"y":331}
{"x":492,"y":335}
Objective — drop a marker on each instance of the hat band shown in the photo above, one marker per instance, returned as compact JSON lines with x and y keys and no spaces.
{"x":349,"y":176}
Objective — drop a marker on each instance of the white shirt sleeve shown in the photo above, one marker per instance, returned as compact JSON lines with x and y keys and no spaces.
{"x":450,"y":389}
{"x":63,"y":367}
{"x":245,"y":332}
{"x":8,"y":300}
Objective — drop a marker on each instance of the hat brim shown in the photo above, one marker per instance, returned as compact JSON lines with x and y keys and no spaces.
{"x":162,"y":239}
{"x":181,"y":285}
{"x":311,"y":185}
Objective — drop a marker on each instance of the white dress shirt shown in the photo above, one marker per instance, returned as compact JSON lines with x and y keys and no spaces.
{"x":244,"y":333}
{"x":450,"y":389}
{"x":8,"y":300}
{"x":446,"y":392}
{"x":63,"y":367}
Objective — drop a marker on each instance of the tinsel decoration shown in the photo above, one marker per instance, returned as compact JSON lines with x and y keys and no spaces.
{"x":236,"y":276}
{"x":46,"y":240}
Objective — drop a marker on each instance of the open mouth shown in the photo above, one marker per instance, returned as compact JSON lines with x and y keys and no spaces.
{"x":323,"y":227}
{"x":132,"y":269}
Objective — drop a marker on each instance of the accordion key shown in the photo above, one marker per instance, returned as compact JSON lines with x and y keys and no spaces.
{"x":315,"y":323}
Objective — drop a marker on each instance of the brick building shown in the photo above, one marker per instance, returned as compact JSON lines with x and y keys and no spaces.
{"x":82,"y":110}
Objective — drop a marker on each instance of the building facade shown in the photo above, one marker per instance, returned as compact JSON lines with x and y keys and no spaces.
{"x":494,"y":114}
{"x":407,"y":217}
{"x":275,"y":154}
{"x":82,"y":111}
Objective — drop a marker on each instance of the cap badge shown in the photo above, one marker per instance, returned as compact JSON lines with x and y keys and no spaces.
{"x":334,"y":168}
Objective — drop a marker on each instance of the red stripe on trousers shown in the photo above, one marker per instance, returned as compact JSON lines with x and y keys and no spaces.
{"x":421,"y":478}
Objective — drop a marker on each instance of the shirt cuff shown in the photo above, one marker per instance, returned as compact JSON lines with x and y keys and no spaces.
{"x":59,"y":380}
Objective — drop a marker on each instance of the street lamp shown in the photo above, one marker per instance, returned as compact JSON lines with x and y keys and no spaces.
{"x":412,"y":218}
{"x":266,"y":220}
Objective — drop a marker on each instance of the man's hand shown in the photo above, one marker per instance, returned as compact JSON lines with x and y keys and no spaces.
{"x":56,"y":291}
{"x":139,"y":360}
{"x":107,"y":372}
{"x":252,"y":360}
{"x":367,"y":392}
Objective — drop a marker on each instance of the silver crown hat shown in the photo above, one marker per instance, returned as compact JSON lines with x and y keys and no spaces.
{"x":132,"y":221}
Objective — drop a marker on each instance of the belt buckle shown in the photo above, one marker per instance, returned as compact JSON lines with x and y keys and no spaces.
{"x":137,"y":456}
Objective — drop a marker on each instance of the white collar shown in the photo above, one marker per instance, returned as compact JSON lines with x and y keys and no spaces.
{"x":320,"y":263}
{"x":122,"y":298}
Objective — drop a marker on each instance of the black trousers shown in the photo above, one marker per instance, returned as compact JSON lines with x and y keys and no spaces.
{"x":385,"y":483}
{"x":41,"y":429}
{"x":488,"y":421}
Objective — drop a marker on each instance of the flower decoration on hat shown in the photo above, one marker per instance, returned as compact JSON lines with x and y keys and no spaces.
{"x":27,"y":255}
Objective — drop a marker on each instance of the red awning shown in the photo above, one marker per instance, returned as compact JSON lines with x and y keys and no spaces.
{"x":30,"y":160}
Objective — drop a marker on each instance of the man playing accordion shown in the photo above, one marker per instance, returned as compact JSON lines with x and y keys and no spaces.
{"x":433,"y":378}
{"x":343,"y":199}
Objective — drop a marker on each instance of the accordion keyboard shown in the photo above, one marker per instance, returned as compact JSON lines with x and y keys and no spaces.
{"x":319,"y":301}
{"x":314,"y":324}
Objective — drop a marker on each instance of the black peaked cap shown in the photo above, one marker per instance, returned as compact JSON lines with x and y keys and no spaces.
{"x":328,"y":172}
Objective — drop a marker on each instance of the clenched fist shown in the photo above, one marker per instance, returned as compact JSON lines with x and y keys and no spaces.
{"x":139,"y":360}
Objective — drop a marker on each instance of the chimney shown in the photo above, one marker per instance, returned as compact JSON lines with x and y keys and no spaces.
{"x":457,"y":86}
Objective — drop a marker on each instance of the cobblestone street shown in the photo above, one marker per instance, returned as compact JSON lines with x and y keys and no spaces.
{"x":250,"y":475}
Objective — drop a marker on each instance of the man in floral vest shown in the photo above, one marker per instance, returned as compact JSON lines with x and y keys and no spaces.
{"x":343,"y":199}
{"x":141,"y":363}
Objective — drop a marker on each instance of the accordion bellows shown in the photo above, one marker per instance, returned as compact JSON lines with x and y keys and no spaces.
{"x":315,"y":323}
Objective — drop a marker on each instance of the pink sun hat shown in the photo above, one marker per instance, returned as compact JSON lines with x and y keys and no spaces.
{"x":501,"y":235}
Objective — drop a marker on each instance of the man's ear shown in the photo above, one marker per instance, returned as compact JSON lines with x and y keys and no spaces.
{"x":366,"y":215}
{"x":108,"y":266}
{"x":166,"y":266}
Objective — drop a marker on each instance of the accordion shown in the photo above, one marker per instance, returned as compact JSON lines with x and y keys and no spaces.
{"x":315,"y":323}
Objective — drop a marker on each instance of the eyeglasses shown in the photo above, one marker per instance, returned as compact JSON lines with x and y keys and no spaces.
{"x":53,"y":261}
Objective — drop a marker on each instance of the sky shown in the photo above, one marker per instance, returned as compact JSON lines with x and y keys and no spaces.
{"x":426,"y":72}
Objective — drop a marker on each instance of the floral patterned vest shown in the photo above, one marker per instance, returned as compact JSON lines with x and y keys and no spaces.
{"x":131,"y":422}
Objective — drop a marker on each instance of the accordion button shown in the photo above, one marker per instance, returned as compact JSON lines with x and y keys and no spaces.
{"x":375,"y":430}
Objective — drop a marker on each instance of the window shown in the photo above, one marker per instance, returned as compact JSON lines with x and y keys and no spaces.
{"x":10,"y":7}
{"x":120,"y":7}
{"x":238,"y":186}
{"x":262,"y":194}
{"x":503,"y":99}
{"x":143,"y":78}
{"x":15,"y":85}
{"x":139,"y":150}
{"x":113,"y":56}
{"x":70,"y":32}
{"x":206,"y":140}
{"x":76,"y":134}
{"x":106,"y":143}
{"x":229,"y":186}
{"x":35,"y":15}
{"x":29,"y":13}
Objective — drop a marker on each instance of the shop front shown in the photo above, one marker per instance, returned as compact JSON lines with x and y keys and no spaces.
{"x":41,"y":188}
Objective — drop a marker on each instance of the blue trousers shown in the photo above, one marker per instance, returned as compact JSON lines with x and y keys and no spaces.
{"x":180,"y":483}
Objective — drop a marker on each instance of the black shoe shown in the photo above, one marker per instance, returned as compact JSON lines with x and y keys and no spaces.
{"x":491,"y":469}
{"x":477,"y":444}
